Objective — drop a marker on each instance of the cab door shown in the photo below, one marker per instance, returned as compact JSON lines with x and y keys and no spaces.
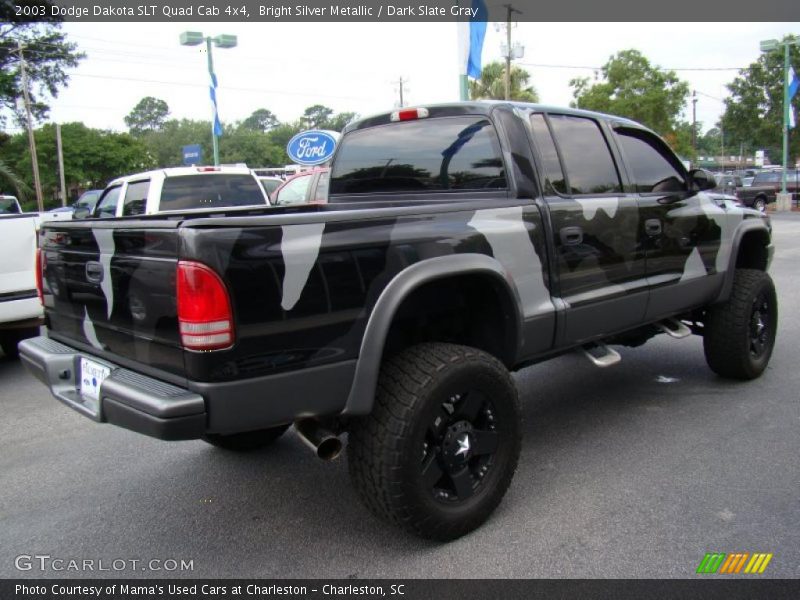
{"x":682,"y":229}
{"x":598,"y":255}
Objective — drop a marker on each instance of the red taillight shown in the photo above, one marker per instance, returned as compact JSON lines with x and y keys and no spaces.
{"x":204,"y":309}
{"x":409,"y":114}
{"x":207,"y":169}
{"x":39,"y":277}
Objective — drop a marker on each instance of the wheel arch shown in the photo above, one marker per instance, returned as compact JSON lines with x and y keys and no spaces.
{"x":401,"y":288}
{"x":751,"y":249}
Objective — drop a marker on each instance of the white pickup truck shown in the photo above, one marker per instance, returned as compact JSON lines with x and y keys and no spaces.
{"x":20,"y":307}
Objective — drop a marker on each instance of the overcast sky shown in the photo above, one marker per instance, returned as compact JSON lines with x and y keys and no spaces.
{"x":286,"y":67}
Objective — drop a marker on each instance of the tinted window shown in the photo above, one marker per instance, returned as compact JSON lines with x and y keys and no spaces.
{"x":587,"y":159}
{"x":295,"y":191}
{"x":655,"y":168}
{"x":107,"y":207}
{"x":552,"y":166}
{"x":449,"y":153}
{"x":209,"y":190}
{"x":8,"y":206}
{"x":135,"y":198}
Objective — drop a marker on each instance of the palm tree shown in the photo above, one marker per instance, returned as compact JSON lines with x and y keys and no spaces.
{"x":492,"y":84}
{"x":9,"y":175}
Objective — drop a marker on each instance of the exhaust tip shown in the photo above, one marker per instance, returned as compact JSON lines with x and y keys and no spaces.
{"x":329,"y":449}
{"x":325,"y":444}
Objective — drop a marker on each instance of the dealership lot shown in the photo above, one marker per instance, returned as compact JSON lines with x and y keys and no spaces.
{"x":633,"y":471}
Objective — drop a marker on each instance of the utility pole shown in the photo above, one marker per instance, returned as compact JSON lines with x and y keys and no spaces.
{"x":509,"y":10}
{"x":31,"y":140}
{"x":694,"y":127}
{"x":400,"y":89}
{"x":60,"y":151}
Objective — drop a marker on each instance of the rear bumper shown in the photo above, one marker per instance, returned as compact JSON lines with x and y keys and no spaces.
{"x":162,"y":410}
{"x":127,"y":399}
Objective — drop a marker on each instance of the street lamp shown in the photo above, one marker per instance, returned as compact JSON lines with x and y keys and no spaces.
{"x":195,"y":38}
{"x":772,"y":46}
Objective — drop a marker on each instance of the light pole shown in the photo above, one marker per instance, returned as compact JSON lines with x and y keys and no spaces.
{"x":771,"y":46}
{"x":195,"y":38}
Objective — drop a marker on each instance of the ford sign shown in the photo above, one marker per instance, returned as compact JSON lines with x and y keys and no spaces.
{"x":312,"y":147}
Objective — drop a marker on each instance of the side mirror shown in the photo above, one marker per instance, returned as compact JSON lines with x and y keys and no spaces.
{"x":81,"y":213}
{"x":702,"y":179}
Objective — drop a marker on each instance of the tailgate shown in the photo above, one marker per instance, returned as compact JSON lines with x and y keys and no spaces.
{"x":109,"y":288}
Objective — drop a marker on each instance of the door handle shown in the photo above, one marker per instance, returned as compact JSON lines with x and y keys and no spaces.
{"x":571,"y":236}
{"x":652,"y":227}
{"x":94,"y":271}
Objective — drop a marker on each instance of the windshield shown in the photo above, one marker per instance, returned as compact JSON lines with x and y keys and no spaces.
{"x":9,"y":206}
{"x":210,"y":190}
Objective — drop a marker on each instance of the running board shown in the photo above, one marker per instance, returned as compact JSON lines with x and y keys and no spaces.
{"x":674,"y":328}
{"x":601,"y":355}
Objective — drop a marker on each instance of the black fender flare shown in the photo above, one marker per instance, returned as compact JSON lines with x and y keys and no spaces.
{"x":365,"y":379}
{"x":745,"y":227}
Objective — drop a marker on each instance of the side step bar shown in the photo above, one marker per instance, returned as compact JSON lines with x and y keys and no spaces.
{"x":674,"y":328}
{"x":601,"y":355}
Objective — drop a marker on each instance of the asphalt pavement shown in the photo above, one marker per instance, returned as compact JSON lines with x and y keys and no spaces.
{"x":632,"y":471}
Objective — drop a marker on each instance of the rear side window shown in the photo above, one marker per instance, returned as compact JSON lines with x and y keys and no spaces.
{"x":655,"y":168}
{"x":429,"y":155}
{"x":587,"y":159}
{"x":552,"y":166}
{"x":135,"y":198}
{"x":775,"y":177}
{"x":210,"y":190}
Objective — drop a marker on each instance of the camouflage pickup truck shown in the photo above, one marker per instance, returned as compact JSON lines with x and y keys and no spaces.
{"x":460,"y":242}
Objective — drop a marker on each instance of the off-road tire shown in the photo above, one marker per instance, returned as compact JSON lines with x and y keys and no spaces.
{"x":760,"y":205}
{"x":732,"y":347}
{"x":387,"y":449}
{"x":246,"y":441}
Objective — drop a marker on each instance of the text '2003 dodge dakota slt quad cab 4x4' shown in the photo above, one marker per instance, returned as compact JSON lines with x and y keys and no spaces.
{"x":460,"y":242}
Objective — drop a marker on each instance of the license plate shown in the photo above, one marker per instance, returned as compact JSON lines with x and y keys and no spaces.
{"x":92,"y":375}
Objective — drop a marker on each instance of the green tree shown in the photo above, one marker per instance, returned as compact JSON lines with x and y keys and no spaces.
{"x":492,"y":86}
{"x":632,"y":87}
{"x":753,"y":116}
{"x":10,"y":177}
{"x":149,"y":114}
{"x":92,"y":157}
{"x":316,"y":117}
{"x":47,"y":54}
{"x":261,"y":120}
{"x":338,"y":122}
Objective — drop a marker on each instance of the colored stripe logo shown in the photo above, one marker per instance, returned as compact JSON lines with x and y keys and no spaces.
{"x":734,"y":563}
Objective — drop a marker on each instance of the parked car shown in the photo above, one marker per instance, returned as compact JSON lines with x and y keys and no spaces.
{"x":180,"y":189}
{"x":270,"y":184}
{"x":765,"y":188}
{"x":308,"y":187}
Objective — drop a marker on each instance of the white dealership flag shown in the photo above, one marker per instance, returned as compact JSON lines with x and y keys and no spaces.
{"x":470,"y":40}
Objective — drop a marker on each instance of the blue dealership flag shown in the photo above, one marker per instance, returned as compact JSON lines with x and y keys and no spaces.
{"x":470,"y":40}
{"x":793,"y":82}
{"x":213,"y":93}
